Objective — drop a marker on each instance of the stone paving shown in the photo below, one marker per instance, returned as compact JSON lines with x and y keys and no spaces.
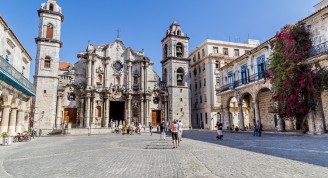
{"x":199,"y":155}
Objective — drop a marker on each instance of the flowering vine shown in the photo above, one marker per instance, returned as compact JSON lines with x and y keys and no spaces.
{"x":295,"y":84}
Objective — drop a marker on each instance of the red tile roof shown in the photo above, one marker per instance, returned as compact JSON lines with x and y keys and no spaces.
{"x":64,"y":65}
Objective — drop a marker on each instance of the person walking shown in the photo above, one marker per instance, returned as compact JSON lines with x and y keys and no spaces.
{"x":180,"y":126}
{"x":150,"y":128}
{"x":219,"y":131}
{"x":257,"y":129}
{"x":162,"y":129}
{"x":174,"y":131}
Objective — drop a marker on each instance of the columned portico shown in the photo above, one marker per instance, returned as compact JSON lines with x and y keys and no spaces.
{"x":20,"y":121}
{"x":257,"y":111}
{"x":5,"y":118}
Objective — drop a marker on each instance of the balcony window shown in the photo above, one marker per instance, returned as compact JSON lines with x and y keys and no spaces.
{"x":230,"y":79}
{"x":244,"y":75}
{"x":261,"y":66}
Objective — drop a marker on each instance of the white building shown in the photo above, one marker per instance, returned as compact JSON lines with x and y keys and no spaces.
{"x":205,"y":64}
{"x":15,"y":87}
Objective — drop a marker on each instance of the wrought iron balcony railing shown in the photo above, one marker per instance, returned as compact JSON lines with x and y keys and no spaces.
{"x":14,"y":78}
{"x":244,"y":81}
{"x":319,"y":49}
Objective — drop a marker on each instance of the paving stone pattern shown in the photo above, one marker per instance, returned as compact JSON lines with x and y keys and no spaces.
{"x":199,"y":155}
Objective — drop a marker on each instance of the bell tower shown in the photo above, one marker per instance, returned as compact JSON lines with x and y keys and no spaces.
{"x":175,"y":72}
{"x":46,"y":66}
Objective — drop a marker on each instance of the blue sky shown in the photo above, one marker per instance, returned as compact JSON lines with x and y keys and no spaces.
{"x":143,"y":22}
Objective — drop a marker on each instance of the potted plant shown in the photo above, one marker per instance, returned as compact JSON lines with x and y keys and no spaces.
{"x":6,"y":139}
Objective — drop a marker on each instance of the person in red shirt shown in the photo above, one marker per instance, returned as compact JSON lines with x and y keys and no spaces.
{"x":174,"y":130}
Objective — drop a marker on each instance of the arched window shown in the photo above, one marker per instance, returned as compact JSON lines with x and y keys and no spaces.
{"x":179,"y":50}
{"x":51,"y":7}
{"x":179,"y":33}
{"x":47,"y":62}
{"x":180,"y":74}
{"x":165,"y":75}
{"x":50,"y":31}
{"x":165,"y":50}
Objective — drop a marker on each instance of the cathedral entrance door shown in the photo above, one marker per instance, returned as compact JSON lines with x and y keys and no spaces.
{"x":70,"y":115}
{"x":117,"y":109}
{"x":156,"y":117}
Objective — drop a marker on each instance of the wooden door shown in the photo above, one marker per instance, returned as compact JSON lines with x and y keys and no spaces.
{"x":66,"y":117}
{"x":70,"y":115}
{"x":154,"y":118}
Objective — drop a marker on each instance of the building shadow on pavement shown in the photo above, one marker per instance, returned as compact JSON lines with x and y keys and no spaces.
{"x":312,"y":150}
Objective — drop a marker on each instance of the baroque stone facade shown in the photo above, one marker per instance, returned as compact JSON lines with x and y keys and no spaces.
{"x":110,"y":84}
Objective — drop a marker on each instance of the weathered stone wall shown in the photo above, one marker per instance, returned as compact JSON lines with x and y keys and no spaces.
{"x":267,"y":119}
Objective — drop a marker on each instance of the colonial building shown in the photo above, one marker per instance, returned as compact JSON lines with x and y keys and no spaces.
{"x":243,"y":82}
{"x":110,"y":84}
{"x":15,"y":88}
{"x":206,"y":62}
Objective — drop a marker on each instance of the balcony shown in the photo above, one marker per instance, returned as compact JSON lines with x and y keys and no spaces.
{"x":319,"y":49}
{"x":238,"y":83}
{"x":12,"y":77}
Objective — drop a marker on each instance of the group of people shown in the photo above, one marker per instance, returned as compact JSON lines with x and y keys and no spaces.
{"x":175,"y":128}
{"x":128,"y":129}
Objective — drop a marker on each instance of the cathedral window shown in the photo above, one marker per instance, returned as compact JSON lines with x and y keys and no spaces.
{"x":179,"y":50}
{"x":51,"y":7}
{"x":118,"y":66}
{"x":180,"y":74}
{"x":165,"y":75}
{"x":50,"y":31}
{"x":179,"y":33}
{"x":165,"y":50}
{"x":47,"y":62}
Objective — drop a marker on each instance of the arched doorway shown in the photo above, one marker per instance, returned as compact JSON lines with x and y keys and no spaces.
{"x":248,"y":111}
{"x":233,"y":113}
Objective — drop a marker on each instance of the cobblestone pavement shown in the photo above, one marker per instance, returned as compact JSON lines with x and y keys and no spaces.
{"x":199,"y":155}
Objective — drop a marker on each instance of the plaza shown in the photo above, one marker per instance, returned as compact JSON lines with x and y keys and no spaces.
{"x":199,"y":155}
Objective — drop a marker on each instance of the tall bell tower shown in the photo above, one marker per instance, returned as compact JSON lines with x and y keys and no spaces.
{"x":46,"y":66}
{"x":175,"y":72}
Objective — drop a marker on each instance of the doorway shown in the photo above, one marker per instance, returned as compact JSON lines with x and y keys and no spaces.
{"x":70,"y":115}
{"x":117,"y":113}
{"x":156,"y":117}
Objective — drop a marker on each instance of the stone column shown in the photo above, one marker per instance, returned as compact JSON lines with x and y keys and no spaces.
{"x":93,"y":116}
{"x":94,"y":77}
{"x":106,"y":75}
{"x":107,"y":112}
{"x":311,"y":123}
{"x":147,"y":110}
{"x":142,"y":84}
{"x":280,"y":125}
{"x":12,"y":121}
{"x":81,"y":114}
{"x":257,"y":111}
{"x":146,"y":79}
{"x":226,"y":118}
{"x":59,"y":113}
{"x":87,"y":112}
{"x":319,"y":122}
{"x":5,"y":118}
{"x":89,"y":71}
{"x":142,"y":116}
{"x":20,"y":121}
{"x":129,"y":74}
{"x":241,"y":116}
{"x":129,"y":109}
{"x":165,"y":110}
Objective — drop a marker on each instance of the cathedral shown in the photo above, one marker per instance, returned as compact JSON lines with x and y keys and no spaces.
{"x":110,"y":84}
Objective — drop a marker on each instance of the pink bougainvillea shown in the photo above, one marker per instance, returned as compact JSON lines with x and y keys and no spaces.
{"x":295,"y":84}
